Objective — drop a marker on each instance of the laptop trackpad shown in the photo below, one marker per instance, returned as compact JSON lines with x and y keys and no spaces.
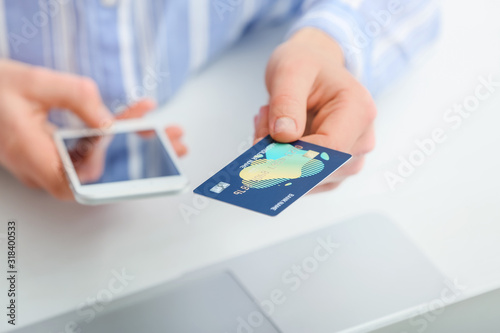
{"x":209,"y":304}
{"x":346,"y":275}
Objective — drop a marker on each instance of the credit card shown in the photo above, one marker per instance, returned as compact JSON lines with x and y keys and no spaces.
{"x":270,"y":176}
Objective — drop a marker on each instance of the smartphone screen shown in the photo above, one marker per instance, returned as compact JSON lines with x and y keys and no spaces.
{"x":120,"y":157}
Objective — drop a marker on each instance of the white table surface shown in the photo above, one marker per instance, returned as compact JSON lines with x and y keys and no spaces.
{"x":450,"y":206}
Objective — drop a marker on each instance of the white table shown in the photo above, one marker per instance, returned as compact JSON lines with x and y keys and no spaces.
{"x":449,"y":206}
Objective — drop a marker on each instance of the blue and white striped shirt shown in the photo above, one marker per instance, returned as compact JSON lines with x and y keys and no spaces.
{"x":147,"y":48}
{"x":134,"y":49}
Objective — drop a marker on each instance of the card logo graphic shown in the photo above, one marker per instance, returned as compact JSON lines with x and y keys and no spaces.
{"x":219,"y":187}
{"x":282,"y":163}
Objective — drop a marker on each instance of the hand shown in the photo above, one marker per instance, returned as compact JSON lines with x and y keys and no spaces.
{"x":314,"y":98}
{"x":27,"y":93}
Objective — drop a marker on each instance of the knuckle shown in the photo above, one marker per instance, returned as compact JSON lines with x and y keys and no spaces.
{"x":281,"y":102}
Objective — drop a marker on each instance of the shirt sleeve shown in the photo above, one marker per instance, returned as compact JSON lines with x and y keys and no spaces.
{"x":379,"y":38}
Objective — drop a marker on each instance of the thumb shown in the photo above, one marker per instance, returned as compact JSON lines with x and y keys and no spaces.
{"x":289,"y":91}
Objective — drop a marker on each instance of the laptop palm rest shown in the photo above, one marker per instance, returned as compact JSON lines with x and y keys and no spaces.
{"x":343,"y":276}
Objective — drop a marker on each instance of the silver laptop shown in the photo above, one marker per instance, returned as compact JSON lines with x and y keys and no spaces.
{"x":349,"y":277}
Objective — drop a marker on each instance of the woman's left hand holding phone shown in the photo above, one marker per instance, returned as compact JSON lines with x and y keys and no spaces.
{"x":27,"y":149}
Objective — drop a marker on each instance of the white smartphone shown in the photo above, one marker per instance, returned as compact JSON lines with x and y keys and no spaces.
{"x":131,"y":159}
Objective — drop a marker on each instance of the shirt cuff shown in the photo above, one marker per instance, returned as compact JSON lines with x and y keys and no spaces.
{"x":343,"y":24}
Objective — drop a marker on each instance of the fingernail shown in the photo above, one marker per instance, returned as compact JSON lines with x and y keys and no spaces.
{"x":285,"y":124}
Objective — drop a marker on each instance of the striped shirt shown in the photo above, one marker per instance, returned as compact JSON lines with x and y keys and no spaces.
{"x":147,"y":48}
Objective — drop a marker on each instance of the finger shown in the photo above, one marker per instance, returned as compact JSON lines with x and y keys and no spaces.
{"x":262,"y":124}
{"x":13,"y":164}
{"x":50,"y":175}
{"x":289,"y":88}
{"x":34,"y":156}
{"x":91,"y":167}
{"x":91,"y":160}
{"x":340,"y":123}
{"x":333,"y":181}
{"x":39,"y":158}
{"x":28,"y":182}
{"x":174,"y":132}
{"x":23,"y":177}
{"x":351,"y":168}
{"x":363,"y":146}
{"x":84,"y":148}
{"x":324,"y":188}
{"x":179,"y":147}
{"x":365,"y":143}
{"x":52,"y":178}
{"x":137,"y":110}
{"x":78,"y":94}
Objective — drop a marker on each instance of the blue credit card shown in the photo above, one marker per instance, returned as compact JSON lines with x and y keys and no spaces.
{"x":270,"y":176}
